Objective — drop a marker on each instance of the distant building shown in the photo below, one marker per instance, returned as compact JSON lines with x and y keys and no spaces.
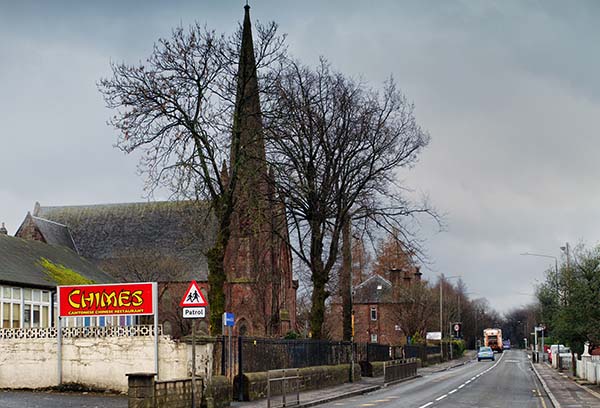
{"x":375,"y":306}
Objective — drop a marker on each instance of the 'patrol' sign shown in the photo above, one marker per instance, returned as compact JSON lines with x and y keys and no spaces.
{"x":194,"y":312}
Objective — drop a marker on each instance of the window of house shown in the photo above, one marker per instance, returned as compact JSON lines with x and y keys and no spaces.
{"x":373,"y":313}
{"x":24,"y":307}
{"x":373,"y":338}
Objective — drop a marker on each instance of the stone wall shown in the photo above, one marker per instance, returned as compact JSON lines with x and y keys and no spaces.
{"x":254,"y":385}
{"x":145,"y":392}
{"x":96,"y":362}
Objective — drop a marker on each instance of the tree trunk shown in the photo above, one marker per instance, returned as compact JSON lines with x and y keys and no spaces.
{"x":319,"y":295}
{"x":319,"y":279}
{"x":216,"y":272}
{"x":346,"y":280}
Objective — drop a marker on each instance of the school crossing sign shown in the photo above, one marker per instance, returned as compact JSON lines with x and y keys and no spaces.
{"x":193,"y":302}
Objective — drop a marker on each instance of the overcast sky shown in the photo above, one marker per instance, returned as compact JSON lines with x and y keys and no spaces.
{"x":509,"y":92}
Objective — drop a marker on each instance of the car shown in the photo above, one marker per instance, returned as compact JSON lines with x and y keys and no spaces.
{"x":554,"y":349}
{"x":485,"y":353}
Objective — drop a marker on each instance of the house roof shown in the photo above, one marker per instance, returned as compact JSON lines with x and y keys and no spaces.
{"x":184,"y":230}
{"x":21,"y":263}
{"x":376,"y":289}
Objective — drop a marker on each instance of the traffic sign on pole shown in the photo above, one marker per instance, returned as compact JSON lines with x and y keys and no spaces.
{"x":228,"y":319}
{"x":193,"y":297}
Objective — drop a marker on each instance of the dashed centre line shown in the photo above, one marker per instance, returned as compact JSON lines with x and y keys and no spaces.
{"x":462,"y":385}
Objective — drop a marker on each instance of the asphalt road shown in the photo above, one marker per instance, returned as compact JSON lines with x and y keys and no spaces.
{"x":507,"y":382}
{"x":25,"y":399}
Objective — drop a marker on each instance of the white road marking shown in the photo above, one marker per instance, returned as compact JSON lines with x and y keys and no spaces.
{"x":462,"y":385}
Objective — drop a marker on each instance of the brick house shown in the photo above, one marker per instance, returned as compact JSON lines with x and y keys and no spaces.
{"x":375,"y":306}
{"x":260,"y":289}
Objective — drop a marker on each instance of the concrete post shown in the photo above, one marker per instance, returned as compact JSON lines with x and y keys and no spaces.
{"x":141,"y":390}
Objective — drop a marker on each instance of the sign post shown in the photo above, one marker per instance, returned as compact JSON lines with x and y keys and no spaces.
{"x":116,"y":299}
{"x":194,"y":307}
{"x":228,"y":322}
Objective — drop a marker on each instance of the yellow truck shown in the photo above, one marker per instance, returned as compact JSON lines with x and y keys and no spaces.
{"x":493,"y":338}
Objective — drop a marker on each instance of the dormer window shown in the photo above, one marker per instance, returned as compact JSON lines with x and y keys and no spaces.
{"x":379,"y":287}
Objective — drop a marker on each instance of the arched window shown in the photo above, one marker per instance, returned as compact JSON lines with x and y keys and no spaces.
{"x":242,"y":327}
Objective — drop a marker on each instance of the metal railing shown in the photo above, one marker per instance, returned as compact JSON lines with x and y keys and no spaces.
{"x":399,"y":369}
{"x":284,"y":378}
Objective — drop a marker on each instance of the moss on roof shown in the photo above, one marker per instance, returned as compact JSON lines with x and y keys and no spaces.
{"x":22,"y":263}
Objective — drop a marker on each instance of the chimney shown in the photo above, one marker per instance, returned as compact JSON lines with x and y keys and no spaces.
{"x":3,"y":230}
{"x":418,"y":273}
{"x":395,"y":277}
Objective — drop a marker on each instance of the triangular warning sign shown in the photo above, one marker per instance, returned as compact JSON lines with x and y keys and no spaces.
{"x":193,"y":297}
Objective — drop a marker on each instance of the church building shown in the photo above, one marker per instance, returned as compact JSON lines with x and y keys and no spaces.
{"x":122,"y":238}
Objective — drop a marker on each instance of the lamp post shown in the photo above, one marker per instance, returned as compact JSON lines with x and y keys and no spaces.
{"x":565,"y":249}
{"x":442,"y":278}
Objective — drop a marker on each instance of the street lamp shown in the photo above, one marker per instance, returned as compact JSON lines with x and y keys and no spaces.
{"x":442,"y":278}
{"x":546,"y":256}
{"x":556,"y":270}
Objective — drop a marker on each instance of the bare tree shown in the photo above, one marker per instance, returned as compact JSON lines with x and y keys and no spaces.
{"x":179,"y":108}
{"x":413,"y":307}
{"x":336,"y":147}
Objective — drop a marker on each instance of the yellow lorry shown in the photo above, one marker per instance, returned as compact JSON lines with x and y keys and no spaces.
{"x":493,"y":338}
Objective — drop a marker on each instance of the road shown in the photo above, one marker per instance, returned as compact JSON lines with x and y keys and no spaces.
{"x":507,"y":382}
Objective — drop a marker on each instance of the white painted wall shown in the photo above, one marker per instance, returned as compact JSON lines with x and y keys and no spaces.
{"x":101,"y":362}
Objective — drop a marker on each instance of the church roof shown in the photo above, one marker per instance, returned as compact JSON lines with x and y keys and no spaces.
{"x":21,"y":263}
{"x":54,"y":233}
{"x":183,"y":230}
{"x":376,"y":289}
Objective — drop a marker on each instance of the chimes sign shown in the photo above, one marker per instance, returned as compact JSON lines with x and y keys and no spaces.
{"x":106,"y":300}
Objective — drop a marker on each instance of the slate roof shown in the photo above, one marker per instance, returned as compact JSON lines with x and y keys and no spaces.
{"x":55,"y":233}
{"x":184,"y":230}
{"x":20,"y":263}
{"x":376,"y":289}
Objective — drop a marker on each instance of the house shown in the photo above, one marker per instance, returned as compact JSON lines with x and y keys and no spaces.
{"x":376,"y":305}
{"x":29,"y":273}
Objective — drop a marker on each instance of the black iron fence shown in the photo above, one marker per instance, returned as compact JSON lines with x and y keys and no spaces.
{"x":258,"y":354}
{"x":261,"y":354}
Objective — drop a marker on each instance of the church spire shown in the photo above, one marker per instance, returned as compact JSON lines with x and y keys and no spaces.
{"x":247,"y":122}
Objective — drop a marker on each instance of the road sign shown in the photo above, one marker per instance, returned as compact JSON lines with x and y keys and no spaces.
{"x":193,"y":297}
{"x":194,"y":312}
{"x":228,"y":319}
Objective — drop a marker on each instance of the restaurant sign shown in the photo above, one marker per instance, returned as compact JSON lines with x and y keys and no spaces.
{"x":106,"y":300}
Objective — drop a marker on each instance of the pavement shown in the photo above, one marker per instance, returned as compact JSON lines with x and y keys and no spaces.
{"x":565,"y":391}
{"x":51,"y":399}
{"x":364,"y":386}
